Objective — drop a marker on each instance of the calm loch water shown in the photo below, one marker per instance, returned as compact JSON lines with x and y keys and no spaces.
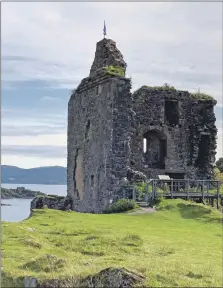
{"x":20,"y":208}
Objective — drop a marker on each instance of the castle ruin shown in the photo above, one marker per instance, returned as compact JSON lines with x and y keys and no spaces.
{"x":117,"y":137}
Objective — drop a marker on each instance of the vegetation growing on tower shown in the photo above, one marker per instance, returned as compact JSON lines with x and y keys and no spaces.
{"x":202,"y":96}
{"x":115,"y":71}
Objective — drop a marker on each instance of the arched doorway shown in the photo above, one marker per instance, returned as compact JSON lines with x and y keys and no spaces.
{"x":155,"y":149}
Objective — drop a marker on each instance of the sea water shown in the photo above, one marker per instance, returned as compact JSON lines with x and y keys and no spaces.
{"x":19,"y":209}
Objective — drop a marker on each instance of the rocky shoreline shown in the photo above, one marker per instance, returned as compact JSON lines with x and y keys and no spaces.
{"x":19,"y":192}
{"x":52,"y":202}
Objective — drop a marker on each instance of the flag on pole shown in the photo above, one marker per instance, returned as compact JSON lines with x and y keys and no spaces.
{"x":104,"y":30}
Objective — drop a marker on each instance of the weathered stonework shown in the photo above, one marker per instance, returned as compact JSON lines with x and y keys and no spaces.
{"x":116,"y":137}
{"x":176,"y":136}
{"x":51,"y":202}
{"x":107,"y":54}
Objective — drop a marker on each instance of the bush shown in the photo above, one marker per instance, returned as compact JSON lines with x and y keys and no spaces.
{"x":155,"y":201}
{"x":121,"y":205}
{"x":141,"y":188}
{"x":219,"y":164}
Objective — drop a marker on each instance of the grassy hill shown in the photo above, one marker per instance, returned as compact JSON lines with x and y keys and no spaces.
{"x":179,"y":245}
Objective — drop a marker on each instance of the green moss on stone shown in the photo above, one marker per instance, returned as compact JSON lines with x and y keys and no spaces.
{"x":115,"y":71}
{"x":165,"y":87}
{"x":201,"y":96}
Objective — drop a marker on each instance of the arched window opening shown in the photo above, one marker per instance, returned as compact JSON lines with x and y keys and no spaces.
{"x":155,"y":149}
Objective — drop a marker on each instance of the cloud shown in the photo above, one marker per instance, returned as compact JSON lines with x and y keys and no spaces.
{"x":32,"y":115}
{"x":35,"y":151}
{"x":33,"y":140}
{"x":50,"y":99}
{"x":164,"y":41}
{"x":32,"y":130}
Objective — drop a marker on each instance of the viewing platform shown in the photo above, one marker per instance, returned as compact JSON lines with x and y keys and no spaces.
{"x":187,"y":189}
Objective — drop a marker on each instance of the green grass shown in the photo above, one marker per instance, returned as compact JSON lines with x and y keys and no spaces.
{"x":179,"y":245}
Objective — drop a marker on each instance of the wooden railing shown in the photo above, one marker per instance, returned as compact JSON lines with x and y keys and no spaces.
{"x":175,"y":188}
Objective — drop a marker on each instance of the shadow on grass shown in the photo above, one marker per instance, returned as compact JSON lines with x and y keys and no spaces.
{"x":91,"y":253}
{"x":8,"y":280}
{"x":165,"y":251}
{"x":200,"y":212}
{"x":193,"y":211}
{"x":165,"y":281}
{"x":67,"y":234}
{"x":132,"y":240}
{"x":218,"y":220}
{"x":47,"y":263}
{"x":193,"y":275}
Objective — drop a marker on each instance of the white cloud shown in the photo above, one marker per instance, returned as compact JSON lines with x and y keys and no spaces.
{"x":40,"y":140}
{"x":178,"y":42}
{"x":49,"y":99}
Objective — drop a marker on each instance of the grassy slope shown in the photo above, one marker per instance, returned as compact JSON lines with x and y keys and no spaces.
{"x":179,"y":245}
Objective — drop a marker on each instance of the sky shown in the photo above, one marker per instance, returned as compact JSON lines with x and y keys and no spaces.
{"x":47,"y":48}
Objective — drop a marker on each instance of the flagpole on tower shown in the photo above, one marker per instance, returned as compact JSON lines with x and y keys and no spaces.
{"x":104,"y":30}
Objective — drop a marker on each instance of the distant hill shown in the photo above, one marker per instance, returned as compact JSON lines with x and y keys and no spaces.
{"x":41,"y":175}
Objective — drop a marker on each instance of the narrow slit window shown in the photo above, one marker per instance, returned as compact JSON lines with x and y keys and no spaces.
{"x":92,"y":180}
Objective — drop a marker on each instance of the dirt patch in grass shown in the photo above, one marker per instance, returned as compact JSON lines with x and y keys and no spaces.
{"x":143,"y":210}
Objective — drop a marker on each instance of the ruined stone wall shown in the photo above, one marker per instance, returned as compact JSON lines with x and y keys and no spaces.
{"x":149,"y":106}
{"x":116,"y":137}
{"x":123,"y":128}
{"x":203,"y":132}
{"x":104,"y":144}
{"x":89,"y":143}
{"x":180,"y":139}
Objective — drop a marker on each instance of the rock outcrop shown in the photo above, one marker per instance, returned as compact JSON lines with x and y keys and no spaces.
{"x":107,"y":54}
{"x":109,"y":277}
{"x":51,"y":202}
{"x":19,"y":192}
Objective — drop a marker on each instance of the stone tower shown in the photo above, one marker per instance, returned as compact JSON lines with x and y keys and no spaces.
{"x":116,"y":137}
{"x":98,"y":124}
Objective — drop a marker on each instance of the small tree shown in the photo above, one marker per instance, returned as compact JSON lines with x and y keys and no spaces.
{"x":219,"y":164}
